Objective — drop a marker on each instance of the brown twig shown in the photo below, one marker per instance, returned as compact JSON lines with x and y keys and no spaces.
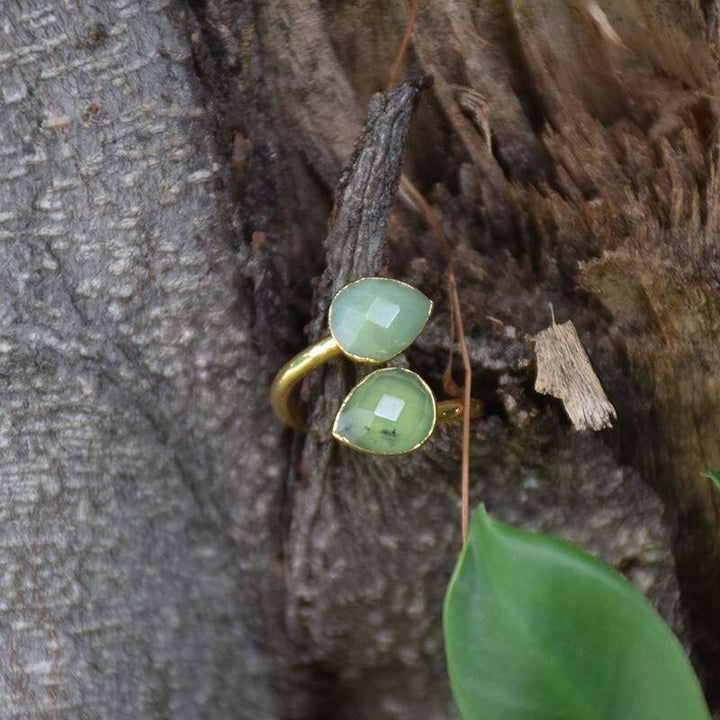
{"x":448,"y":382}
{"x":397,"y":65}
{"x":414,"y":197}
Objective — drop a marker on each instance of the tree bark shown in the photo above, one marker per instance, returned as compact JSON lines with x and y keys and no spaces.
{"x":169,"y":237}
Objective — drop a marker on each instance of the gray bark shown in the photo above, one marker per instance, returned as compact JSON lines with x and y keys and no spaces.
{"x":140,"y":465}
{"x":166,"y":549}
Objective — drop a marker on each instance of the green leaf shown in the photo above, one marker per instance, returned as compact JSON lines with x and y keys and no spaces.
{"x":713,"y":475}
{"x":535,"y":629}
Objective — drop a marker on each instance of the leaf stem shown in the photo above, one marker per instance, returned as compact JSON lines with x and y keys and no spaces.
{"x":397,"y":65}
{"x":414,"y":197}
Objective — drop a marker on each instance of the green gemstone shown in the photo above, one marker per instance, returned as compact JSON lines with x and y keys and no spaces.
{"x":374,"y":319}
{"x":392,"y":411}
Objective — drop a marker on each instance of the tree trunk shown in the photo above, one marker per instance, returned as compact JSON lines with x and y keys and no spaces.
{"x":174,"y":219}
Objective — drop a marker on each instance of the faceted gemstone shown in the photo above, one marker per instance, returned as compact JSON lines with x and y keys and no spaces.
{"x":392,"y":411}
{"x":374,"y":319}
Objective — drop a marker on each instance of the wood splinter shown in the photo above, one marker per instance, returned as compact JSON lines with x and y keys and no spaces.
{"x":564,"y":371}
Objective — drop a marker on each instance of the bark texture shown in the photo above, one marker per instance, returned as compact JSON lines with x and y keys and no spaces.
{"x":167,"y":170}
{"x":136,"y":513}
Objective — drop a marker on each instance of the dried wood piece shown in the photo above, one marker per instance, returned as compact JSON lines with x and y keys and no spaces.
{"x":564,"y":371}
{"x":355,"y":243}
{"x":601,"y":20}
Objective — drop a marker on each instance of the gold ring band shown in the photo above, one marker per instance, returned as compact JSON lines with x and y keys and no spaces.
{"x":281,"y":391}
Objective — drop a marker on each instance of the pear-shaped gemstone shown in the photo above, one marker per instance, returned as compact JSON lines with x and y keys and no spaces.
{"x":392,"y":411}
{"x":374,"y":319}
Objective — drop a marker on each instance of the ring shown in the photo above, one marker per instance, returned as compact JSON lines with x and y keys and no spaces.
{"x":392,"y":411}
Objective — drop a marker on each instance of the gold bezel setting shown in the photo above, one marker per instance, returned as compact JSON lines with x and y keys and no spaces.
{"x":360,"y":358}
{"x":373,"y":374}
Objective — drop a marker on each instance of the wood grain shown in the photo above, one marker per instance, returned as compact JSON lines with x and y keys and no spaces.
{"x":564,"y":371}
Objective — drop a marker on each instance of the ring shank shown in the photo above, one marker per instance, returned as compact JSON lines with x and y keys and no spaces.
{"x":281,"y":397}
{"x":449,"y":410}
{"x":292,"y":373}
